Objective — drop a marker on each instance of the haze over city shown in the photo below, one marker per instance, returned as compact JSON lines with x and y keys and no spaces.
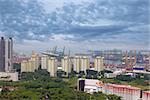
{"x":85,"y":24}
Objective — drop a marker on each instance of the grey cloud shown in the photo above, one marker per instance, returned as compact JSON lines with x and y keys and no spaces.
{"x":18,"y":18}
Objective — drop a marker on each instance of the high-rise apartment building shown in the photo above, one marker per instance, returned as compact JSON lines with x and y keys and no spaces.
{"x":24,"y":66}
{"x":77,"y":64}
{"x":99,"y":63}
{"x":44,"y":61}
{"x":35,"y":58}
{"x":52,"y":66}
{"x":66,"y":64}
{"x":85,"y":63}
{"x":31,"y":65}
{"x":2,"y":54}
{"x":81,"y":63}
{"x":6,"y":54}
{"x":6,"y":64}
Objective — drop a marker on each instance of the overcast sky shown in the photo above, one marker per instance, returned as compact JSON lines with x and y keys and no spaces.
{"x":79,"y":25}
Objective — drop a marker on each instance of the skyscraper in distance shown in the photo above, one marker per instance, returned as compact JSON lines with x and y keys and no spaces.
{"x":2,"y":54}
{"x":6,"y":54}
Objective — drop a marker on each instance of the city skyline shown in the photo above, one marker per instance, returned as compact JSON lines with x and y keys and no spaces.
{"x":42,"y":24}
{"x":75,"y":49}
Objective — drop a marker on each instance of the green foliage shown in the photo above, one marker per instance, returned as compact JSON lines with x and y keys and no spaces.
{"x":127,"y":78}
{"x":41,"y":74}
{"x":113,"y":81}
{"x":72,"y":74}
{"x":39,"y":86}
{"x":113,"y":97}
{"x":147,"y":77}
{"x":60,"y":73}
{"x":105,"y":71}
{"x":17,"y":67}
{"x":91,"y":74}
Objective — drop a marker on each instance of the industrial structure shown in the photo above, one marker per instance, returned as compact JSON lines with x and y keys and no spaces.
{"x":129,"y":59}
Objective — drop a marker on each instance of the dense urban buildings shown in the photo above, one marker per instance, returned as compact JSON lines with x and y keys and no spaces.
{"x":30,"y":65}
{"x":130,"y":60}
{"x":91,"y":68}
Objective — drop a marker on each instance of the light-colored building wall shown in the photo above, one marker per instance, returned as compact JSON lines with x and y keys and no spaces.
{"x":36,"y":60}
{"x":66,"y":64}
{"x":8,"y":54}
{"x":24,"y":65}
{"x":77,"y":64}
{"x":146,"y":95}
{"x":28,"y":66}
{"x":125,"y":91}
{"x":52,"y":66}
{"x":44,"y":61}
{"x":85,"y":63}
{"x":99,"y":64}
{"x":31,"y":65}
{"x":9,"y":76}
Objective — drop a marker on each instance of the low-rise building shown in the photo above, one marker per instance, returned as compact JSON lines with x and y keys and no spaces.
{"x":88,"y":85}
{"x":146,"y":95}
{"x":9,"y":76}
{"x":125,"y":91}
{"x":109,"y":75}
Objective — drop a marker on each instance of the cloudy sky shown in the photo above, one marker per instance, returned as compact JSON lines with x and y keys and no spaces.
{"x":79,"y":25}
